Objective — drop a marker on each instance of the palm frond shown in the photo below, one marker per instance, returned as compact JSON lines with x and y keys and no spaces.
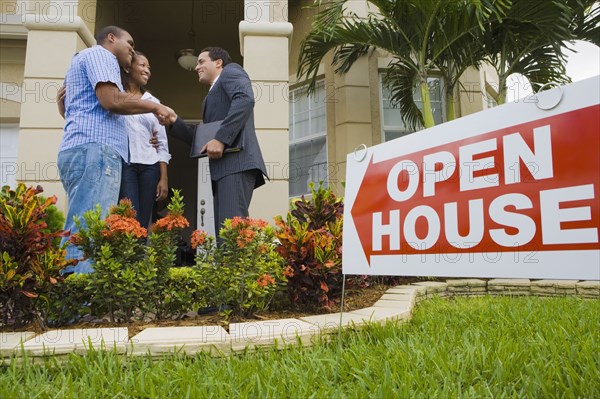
{"x":401,"y":79}
{"x":320,"y":40}
{"x":585,"y":22}
{"x":543,"y":66}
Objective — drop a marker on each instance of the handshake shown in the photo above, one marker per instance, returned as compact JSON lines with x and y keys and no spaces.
{"x":165,"y":115}
{"x":122,"y":103}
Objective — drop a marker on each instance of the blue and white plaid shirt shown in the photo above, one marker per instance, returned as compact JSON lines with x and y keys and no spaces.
{"x":87,"y":121}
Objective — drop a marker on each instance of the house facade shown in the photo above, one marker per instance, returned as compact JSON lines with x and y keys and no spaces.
{"x":303,"y":138}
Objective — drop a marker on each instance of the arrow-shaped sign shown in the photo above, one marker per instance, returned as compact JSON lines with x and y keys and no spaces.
{"x":530,"y":186}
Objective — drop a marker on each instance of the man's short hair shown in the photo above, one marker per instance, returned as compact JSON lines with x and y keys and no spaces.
{"x":217,"y":53}
{"x":107,"y":30}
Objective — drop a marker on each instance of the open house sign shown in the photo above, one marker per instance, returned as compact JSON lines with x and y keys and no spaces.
{"x":509,"y":192}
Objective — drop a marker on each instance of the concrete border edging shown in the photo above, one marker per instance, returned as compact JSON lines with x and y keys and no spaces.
{"x":397,"y":304}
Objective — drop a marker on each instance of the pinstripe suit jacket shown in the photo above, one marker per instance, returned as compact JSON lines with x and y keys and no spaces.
{"x":231,"y":100}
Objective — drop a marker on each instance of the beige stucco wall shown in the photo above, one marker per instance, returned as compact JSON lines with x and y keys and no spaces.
{"x":87,"y":11}
{"x":474,"y":85}
{"x":12,"y":64}
{"x":7,"y":6}
{"x":301,"y":17}
{"x":55,"y":33}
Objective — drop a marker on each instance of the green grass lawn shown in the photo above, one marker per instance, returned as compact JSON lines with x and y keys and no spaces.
{"x":463,"y":348}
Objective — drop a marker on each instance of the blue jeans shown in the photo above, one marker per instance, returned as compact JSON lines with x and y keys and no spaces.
{"x":138,"y":183}
{"x":90,"y":174}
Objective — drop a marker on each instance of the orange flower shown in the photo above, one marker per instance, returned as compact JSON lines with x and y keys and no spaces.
{"x":258,"y":223}
{"x":198,"y":238}
{"x":248,"y":235}
{"x":245,"y":237}
{"x":288,"y":271}
{"x":265,"y":280}
{"x":241,"y":243}
{"x":236,"y":221}
{"x":125,"y":225}
{"x":170,"y":222}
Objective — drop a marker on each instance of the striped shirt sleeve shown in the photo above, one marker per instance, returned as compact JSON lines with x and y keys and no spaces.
{"x":101,"y":67}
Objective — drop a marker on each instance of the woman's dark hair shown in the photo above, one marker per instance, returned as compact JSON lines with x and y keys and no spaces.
{"x":125,"y":75}
{"x":217,"y":53}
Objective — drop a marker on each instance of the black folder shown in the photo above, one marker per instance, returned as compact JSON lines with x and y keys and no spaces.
{"x":205,"y":132}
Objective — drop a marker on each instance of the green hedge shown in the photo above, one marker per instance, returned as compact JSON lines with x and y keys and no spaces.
{"x":71,"y":299}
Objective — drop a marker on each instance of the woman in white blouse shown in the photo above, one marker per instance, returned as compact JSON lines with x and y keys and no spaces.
{"x":144,"y":179}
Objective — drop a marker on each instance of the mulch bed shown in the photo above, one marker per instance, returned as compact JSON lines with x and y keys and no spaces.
{"x":356,"y":298}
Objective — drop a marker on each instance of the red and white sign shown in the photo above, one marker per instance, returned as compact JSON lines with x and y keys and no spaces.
{"x":511,"y":192}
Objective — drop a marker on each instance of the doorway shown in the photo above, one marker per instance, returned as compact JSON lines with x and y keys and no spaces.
{"x":160,"y":30}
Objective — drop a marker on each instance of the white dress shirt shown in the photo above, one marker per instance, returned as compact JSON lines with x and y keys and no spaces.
{"x":213,"y":83}
{"x":140,"y":128}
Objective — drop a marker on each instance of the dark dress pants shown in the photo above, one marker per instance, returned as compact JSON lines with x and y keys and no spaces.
{"x":138,"y":183}
{"x":232,"y":195}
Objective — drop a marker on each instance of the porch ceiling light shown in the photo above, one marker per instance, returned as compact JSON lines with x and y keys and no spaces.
{"x":186,"y":57}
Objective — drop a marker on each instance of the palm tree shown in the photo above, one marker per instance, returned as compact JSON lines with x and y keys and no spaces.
{"x":423,"y":37}
{"x":447,"y":37}
{"x":530,"y":39}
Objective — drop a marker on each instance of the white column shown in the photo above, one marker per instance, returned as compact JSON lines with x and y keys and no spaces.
{"x":264,"y":43}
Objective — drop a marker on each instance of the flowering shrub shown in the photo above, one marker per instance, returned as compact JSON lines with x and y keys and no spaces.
{"x":128,"y":274}
{"x":163,"y":241}
{"x":311,"y":244}
{"x":118,"y":225}
{"x":122,"y":266}
{"x":29,"y":261}
{"x":245,"y":272}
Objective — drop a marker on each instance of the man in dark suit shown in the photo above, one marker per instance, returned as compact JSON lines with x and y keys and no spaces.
{"x":230,"y":99}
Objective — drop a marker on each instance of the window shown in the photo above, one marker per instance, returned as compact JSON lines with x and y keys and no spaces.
{"x":308,"y":139}
{"x":393,"y":126}
{"x":9,"y":136}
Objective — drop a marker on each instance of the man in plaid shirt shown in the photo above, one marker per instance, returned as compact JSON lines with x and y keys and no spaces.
{"x":95,"y":143}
